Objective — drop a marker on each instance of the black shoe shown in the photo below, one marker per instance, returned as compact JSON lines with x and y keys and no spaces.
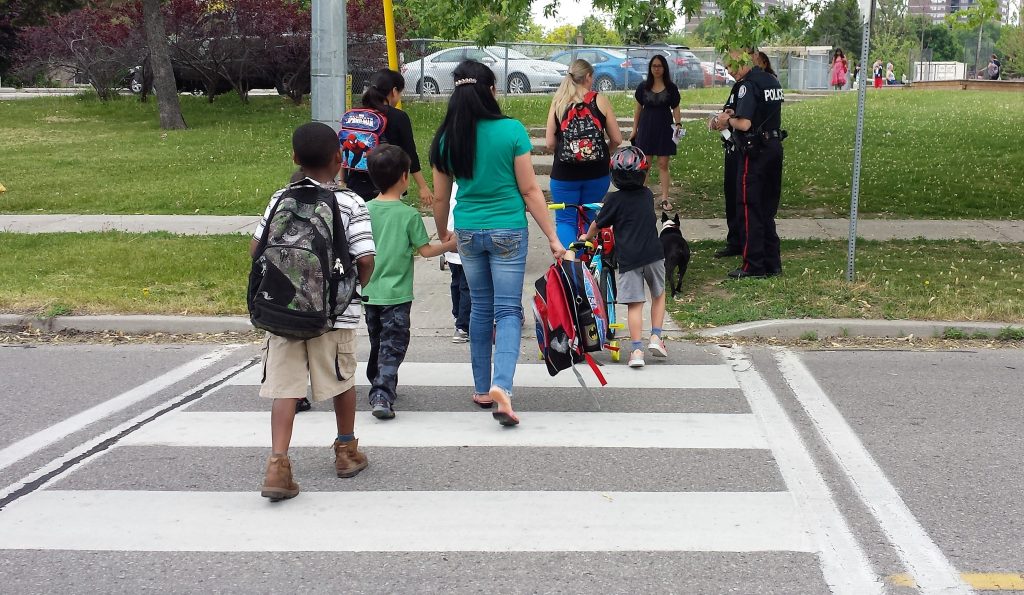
{"x":727,"y":252}
{"x":741,"y":274}
{"x":303,"y":404}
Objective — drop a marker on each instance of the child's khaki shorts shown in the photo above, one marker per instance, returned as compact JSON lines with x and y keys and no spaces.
{"x":326,"y":363}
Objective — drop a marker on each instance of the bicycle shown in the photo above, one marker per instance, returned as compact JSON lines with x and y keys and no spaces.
{"x":599,"y":258}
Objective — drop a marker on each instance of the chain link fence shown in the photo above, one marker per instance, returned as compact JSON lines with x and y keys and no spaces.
{"x":523,"y":67}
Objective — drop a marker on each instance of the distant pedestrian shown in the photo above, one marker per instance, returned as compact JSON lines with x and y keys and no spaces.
{"x":856,"y":74}
{"x":840,"y":68}
{"x":462,"y":301}
{"x":876,"y":73}
{"x":995,"y":68}
{"x":655,"y":120}
{"x":890,"y":75}
{"x":398,"y":234}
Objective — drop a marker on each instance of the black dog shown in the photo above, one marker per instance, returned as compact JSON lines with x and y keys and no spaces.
{"x":677,"y":252}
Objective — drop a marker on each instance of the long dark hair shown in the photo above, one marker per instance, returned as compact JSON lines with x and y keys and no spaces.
{"x":666,"y":76}
{"x":837,"y":54}
{"x":454,"y":146}
{"x":766,"y":64}
{"x":381,"y":84}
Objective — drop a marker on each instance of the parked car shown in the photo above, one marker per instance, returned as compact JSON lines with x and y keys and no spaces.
{"x":432,"y":74}
{"x":684,"y":64}
{"x":716,"y":75}
{"x":612,"y":68}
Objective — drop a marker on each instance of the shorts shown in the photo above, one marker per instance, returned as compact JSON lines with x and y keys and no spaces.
{"x":326,"y":363}
{"x":630,"y":285}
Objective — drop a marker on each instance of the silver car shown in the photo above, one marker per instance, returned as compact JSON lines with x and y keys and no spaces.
{"x":432,"y":74}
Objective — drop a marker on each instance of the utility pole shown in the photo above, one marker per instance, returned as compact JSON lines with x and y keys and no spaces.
{"x":867,"y":14}
{"x":329,"y":61}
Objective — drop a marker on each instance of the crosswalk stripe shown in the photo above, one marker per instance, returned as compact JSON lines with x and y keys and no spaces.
{"x":407,"y":521}
{"x":536,"y":375}
{"x":435,"y":429}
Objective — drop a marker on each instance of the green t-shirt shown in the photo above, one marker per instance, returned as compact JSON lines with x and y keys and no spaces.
{"x":491,"y":198}
{"x":398,"y":233}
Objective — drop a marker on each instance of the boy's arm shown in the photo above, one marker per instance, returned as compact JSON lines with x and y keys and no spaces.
{"x":364,"y":266}
{"x":253,"y":245}
{"x":591,"y":231}
{"x":431,"y":250}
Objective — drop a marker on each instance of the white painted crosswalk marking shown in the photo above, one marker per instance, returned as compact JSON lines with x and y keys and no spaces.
{"x":433,"y":429}
{"x":416,"y":521}
{"x":536,"y":375}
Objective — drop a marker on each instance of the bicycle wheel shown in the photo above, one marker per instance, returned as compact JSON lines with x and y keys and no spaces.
{"x":606,"y":281}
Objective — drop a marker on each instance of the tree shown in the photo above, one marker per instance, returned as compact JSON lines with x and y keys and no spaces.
{"x":595,"y":32}
{"x":837,"y":24}
{"x":790,"y":22}
{"x":15,"y":15}
{"x":562,"y":34}
{"x":977,"y":16}
{"x":642,"y":22}
{"x":1011,"y":48}
{"x":163,"y":72}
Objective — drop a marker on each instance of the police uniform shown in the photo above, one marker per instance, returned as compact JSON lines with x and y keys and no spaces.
{"x":734,"y":238}
{"x":759,"y":99}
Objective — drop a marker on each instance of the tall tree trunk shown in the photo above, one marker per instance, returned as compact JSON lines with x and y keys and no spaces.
{"x":977,"y":56}
{"x":163,"y":73}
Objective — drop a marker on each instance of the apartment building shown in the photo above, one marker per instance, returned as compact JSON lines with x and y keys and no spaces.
{"x":709,"y":8}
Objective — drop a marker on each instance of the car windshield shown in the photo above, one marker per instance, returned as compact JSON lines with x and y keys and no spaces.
{"x":512,"y":54}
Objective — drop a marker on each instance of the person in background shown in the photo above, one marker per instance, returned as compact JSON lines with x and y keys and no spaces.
{"x":461,"y":300}
{"x":576,"y":183}
{"x":995,"y":68}
{"x":876,"y":73}
{"x":384,"y":92}
{"x":890,"y":76}
{"x":655,"y":119}
{"x":840,"y":68}
{"x":488,"y":155}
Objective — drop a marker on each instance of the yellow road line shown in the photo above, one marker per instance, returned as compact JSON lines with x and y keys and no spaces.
{"x":980,"y":581}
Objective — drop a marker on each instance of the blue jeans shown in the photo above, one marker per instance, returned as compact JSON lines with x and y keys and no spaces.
{"x":494,"y":262}
{"x":576,"y":192}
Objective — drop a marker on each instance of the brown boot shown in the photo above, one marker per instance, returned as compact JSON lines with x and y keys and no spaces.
{"x":348,"y":461}
{"x":278,"y":484}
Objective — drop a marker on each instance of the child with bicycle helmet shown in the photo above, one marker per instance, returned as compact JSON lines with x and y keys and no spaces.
{"x":629,"y":211}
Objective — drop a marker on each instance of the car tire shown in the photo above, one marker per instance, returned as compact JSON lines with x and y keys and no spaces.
{"x":517,"y":84}
{"x":428,"y":86}
{"x":604,"y":84}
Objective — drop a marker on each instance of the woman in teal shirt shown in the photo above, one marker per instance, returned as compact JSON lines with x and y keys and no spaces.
{"x":488,"y":154}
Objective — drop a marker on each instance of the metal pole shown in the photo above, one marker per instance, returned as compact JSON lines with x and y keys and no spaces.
{"x":858,"y":142}
{"x":507,"y":90}
{"x":329,"y":61}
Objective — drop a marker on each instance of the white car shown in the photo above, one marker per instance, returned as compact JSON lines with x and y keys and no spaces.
{"x":432,"y":74}
{"x":716,"y":73}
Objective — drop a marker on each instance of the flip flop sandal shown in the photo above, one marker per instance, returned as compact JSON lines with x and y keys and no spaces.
{"x":483,"y":401}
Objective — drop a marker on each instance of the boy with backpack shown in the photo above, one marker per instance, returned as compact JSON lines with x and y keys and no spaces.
{"x":630,"y":214}
{"x":309,"y":305}
{"x":398,"y":234}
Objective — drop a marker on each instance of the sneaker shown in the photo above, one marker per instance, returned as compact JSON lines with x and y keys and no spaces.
{"x":460,"y":336}
{"x":636,"y":359}
{"x":303,"y":404}
{"x":348,"y":459}
{"x":657,"y":347}
{"x":382,"y":409}
{"x":278,"y":483}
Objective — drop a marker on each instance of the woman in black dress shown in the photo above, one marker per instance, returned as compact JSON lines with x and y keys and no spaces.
{"x":655,"y":118}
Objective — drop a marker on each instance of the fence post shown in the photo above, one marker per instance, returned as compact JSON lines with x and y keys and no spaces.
{"x":507,"y":73}
{"x":423,"y":60}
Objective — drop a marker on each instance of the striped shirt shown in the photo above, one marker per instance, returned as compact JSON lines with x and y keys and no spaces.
{"x":356,"y":221}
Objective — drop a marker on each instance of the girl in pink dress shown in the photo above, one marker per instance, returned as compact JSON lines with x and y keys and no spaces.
{"x":839,"y":69}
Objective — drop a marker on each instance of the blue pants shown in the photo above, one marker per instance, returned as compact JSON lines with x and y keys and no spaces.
{"x":461,"y":300}
{"x":494,"y":262}
{"x":576,"y":192}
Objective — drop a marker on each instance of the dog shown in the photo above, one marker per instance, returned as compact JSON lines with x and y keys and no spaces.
{"x":677,"y":252}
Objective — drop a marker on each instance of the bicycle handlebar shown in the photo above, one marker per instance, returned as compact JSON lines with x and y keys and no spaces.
{"x":590,"y":206}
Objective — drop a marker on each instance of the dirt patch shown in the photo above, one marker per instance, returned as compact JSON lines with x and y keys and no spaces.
{"x":62,"y":120}
{"x":27,"y":336}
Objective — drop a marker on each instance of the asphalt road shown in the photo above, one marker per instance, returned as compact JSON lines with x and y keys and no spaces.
{"x":750,"y":470}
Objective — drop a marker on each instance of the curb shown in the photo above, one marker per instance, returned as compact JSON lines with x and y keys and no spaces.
{"x":853,"y":327}
{"x":786,"y":328}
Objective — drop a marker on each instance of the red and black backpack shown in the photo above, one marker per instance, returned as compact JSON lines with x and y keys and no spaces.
{"x":582,"y":134}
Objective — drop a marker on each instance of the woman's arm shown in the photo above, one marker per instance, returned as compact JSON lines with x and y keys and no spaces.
{"x":549,"y":129}
{"x":526,"y":179}
{"x":614,"y":134}
{"x":442,"y":203}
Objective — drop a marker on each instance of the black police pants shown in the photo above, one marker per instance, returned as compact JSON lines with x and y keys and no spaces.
{"x":758,"y":190}
{"x":734,"y":238}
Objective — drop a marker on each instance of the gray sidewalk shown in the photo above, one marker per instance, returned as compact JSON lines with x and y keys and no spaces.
{"x":1009,"y":231}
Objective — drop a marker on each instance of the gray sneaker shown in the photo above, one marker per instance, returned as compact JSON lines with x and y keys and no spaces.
{"x":460,"y":336}
{"x":382,"y":409}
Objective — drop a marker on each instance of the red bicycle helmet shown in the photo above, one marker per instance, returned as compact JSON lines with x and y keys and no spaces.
{"x":629,"y":168}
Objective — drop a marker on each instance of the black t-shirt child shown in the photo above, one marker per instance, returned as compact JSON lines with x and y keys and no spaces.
{"x":631,"y":215}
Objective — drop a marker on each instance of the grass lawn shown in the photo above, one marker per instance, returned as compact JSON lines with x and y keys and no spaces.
{"x":53,"y":274}
{"x":927,"y":154}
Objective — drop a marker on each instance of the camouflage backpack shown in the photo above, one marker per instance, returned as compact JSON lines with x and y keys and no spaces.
{"x":302,"y":275}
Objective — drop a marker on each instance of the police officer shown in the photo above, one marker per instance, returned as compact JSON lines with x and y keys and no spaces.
{"x":756,"y":122}
{"x":734,"y":237}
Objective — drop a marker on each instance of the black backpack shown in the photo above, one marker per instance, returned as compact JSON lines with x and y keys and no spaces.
{"x":302,"y":275}
{"x":582,"y":138}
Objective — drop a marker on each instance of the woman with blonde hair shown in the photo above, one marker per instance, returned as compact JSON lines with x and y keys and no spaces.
{"x":582,"y":132}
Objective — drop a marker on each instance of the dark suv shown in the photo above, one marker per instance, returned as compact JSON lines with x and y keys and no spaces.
{"x":687,"y":72}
